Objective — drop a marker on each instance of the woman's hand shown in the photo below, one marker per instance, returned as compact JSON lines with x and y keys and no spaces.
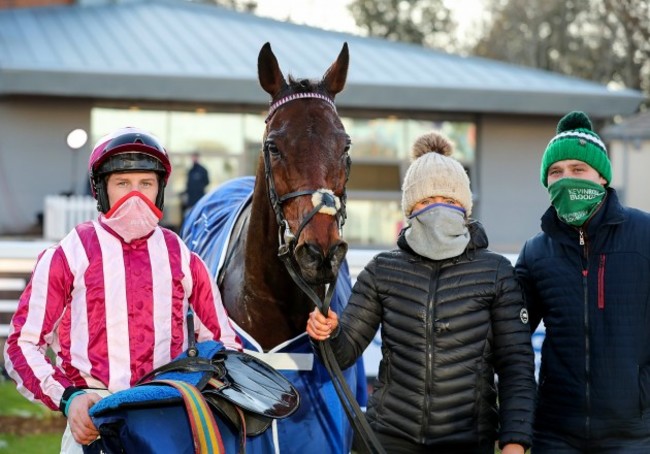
{"x":320,"y":327}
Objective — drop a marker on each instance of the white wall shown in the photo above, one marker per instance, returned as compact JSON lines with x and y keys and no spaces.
{"x":34,"y":157}
{"x":630,"y":165}
{"x":512,"y":199}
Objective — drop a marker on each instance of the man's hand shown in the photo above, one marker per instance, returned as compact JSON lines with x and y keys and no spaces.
{"x":82,"y":428}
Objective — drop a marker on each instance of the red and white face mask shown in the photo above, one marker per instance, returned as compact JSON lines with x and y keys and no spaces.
{"x":133,"y":216}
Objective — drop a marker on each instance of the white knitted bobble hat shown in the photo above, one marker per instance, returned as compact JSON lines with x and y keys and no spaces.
{"x":434,"y":173}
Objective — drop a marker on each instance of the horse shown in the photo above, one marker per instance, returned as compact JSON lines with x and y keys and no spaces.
{"x":255,"y":232}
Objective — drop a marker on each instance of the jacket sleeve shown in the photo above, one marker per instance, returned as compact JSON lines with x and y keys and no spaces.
{"x":514,"y":359}
{"x":211,"y":318}
{"x":359,"y":320}
{"x":33,"y":330}
{"x":531,"y":297}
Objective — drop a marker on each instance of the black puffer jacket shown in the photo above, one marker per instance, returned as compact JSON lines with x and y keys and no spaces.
{"x":595,"y":301}
{"x":446,"y":327}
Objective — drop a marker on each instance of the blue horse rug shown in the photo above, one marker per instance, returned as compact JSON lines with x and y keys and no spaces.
{"x":320,"y":423}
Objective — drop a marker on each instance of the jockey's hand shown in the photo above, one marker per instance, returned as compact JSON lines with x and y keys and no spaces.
{"x":319,"y":327}
{"x":82,"y":427}
{"x":513,"y":448}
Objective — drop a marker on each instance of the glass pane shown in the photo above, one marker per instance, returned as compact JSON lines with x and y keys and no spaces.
{"x":207,"y":133}
{"x":375,"y":176}
{"x":376,"y":138}
{"x":104,"y":121}
{"x":220,"y":169}
{"x":461,"y":134}
{"x":392,"y":138}
{"x":373,"y":223}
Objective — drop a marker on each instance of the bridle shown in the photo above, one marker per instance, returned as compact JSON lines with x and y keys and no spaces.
{"x":323,"y":200}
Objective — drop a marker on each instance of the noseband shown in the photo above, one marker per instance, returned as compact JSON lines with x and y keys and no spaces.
{"x":323,"y":200}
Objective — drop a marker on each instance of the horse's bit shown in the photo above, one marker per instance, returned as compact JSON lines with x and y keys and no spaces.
{"x":323,"y":200}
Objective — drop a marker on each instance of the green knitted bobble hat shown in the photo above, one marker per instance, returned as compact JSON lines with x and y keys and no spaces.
{"x":575,"y":139}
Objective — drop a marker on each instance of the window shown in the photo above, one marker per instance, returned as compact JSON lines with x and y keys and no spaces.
{"x":381,"y":150}
{"x":230,"y":143}
{"x":223,"y":140}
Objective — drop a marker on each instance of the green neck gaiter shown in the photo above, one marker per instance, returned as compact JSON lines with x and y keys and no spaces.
{"x":575,"y":200}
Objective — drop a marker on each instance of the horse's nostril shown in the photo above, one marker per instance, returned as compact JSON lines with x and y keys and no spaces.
{"x":314,"y":252}
{"x":337,"y":252}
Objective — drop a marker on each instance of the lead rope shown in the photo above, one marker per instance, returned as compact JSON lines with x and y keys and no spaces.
{"x":349,"y":403}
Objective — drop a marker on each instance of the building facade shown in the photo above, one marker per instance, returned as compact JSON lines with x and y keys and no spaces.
{"x":187,"y":72}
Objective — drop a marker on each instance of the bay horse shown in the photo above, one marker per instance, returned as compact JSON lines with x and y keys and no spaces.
{"x":295,"y":206}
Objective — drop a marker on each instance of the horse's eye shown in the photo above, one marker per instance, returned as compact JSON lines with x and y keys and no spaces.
{"x":348,"y":145}
{"x":273,"y":149}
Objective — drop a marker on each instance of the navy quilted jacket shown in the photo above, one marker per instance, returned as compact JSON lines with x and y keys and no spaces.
{"x":592,"y":288}
{"x":446,"y":327}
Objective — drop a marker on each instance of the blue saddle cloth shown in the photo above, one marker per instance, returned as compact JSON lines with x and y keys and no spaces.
{"x":151,"y":419}
{"x":320,"y":423}
{"x":134,"y":397}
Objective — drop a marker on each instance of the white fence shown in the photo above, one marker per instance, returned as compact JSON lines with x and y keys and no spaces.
{"x":63,"y":213}
{"x":16,"y":258}
{"x":9,"y":306}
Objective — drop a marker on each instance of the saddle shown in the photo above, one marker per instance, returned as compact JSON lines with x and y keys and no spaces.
{"x":208,"y":403}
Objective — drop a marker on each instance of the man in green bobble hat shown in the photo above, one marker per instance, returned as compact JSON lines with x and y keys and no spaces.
{"x":587,"y":276}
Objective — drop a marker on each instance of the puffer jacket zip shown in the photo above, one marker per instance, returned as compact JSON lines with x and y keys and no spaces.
{"x":430,"y":341}
{"x":584,"y":242}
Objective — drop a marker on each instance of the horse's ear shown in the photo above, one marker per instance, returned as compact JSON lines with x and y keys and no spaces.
{"x":334,"y":78}
{"x":268,"y":71}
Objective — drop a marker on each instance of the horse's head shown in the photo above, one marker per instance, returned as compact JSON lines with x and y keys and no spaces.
{"x":306,"y":164}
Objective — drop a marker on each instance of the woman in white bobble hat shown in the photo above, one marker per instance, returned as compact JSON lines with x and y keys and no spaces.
{"x":451,"y":314}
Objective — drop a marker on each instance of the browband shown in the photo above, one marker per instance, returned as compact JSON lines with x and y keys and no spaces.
{"x":294,"y":96}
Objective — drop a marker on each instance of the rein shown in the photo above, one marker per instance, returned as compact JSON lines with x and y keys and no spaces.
{"x":324,"y":201}
{"x":352,"y":410}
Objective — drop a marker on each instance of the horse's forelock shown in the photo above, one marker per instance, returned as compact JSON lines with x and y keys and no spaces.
{"x":304,"y":85}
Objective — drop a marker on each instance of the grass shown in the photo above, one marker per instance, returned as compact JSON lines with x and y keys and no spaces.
{"x":15,"y":405}
{"x":32,"y":444}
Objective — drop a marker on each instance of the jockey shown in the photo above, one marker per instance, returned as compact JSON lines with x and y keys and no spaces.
{"x":109,"y":300}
